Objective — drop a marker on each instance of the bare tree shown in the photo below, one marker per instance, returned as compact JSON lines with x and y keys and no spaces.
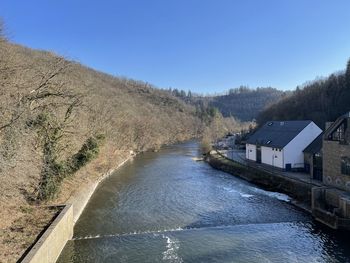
{"x":45,"y":102}
{"x":48,"y":92}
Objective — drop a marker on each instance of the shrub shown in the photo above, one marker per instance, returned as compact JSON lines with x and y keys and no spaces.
{"x":54,"y":172}
{"x":49,"y":186}
{"x":88,"y":151}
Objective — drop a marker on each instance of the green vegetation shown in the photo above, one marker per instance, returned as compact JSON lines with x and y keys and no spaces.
{"x":51,"y":133}
{"x":55,"y":171}
{"x":321,"y":101}
{"x":88,"y":151}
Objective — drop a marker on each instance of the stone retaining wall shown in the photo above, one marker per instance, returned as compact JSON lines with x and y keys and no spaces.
{"x":80,"y":199}
{"x":299,"y":190}
{"x":49,"y":246}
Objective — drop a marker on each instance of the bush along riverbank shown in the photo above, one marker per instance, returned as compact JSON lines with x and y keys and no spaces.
{"x":300,"y":191}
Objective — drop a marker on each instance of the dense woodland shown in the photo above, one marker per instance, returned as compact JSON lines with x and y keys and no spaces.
{"x":242,"y":103}
{"x":321,"y":101}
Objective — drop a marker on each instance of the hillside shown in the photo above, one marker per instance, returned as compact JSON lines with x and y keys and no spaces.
{"x":242,"y":103}
{"x":63,"y":124}
{"x":321,"y":101}
{"x":245,"y":104}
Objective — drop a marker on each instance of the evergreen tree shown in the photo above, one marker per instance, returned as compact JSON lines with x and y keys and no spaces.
{"x":176,"y":92}
{"x":182,"y":94}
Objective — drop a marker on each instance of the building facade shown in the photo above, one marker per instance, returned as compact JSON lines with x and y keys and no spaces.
{"x":281,"y":143}
{"x":336,"y":154}
{"x":331,"y":202}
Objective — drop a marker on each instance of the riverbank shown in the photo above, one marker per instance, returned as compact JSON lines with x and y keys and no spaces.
{"x":24,"y":221}
{"x":60,"y":231}
{"x":99,"y":171}
{"x":299,"y":190}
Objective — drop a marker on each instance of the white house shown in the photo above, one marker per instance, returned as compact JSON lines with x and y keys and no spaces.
{"x":281,"y":143}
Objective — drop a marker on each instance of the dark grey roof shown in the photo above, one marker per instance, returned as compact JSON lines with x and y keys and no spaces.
{"x":277,"y":133}
{"x":315,"y":146}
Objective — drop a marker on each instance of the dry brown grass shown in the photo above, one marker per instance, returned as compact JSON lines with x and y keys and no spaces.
{"x":29,"y":223}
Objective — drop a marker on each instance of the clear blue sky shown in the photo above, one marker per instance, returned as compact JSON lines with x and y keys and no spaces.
{"x":205,"y":46}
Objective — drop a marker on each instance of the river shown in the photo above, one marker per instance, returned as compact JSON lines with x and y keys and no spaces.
{"x":166,"y":207}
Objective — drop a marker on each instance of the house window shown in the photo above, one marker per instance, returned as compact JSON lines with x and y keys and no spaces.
{"x":345,"y":165}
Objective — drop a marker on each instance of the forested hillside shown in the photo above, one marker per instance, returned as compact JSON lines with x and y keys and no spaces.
{"x":242,"y":103}
{"x":320,"y":101}
{"x":57,"y":116}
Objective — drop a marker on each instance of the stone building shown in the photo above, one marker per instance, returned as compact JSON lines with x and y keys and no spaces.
{"x":331,"y":202}
{"x":336,"y":154}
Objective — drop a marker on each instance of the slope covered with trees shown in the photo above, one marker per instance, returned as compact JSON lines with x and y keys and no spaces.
{"x":241,"y":103}
{"x":321,"y":101}
{"x":244,"y":103}
{"x":57,"y":116}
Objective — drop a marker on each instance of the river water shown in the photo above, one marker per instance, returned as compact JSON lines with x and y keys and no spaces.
{"x":166,"y":207}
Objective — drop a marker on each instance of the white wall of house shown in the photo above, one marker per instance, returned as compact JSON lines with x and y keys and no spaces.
{"x":250,"y":152}
{"x":272,"y":156}
{"x":266,"y":155}
{"x":293,"y":151}
{"x":278,"y":158}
